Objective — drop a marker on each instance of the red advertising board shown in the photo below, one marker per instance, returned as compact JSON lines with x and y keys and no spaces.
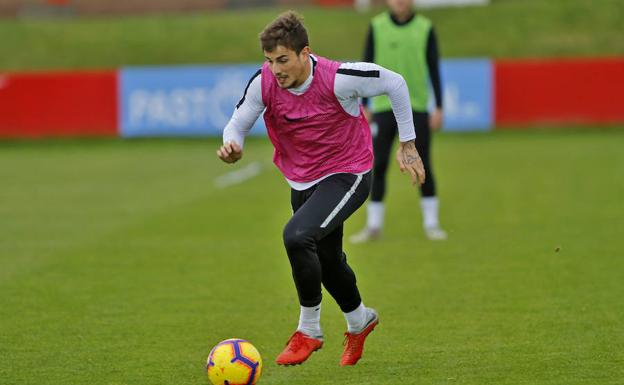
{"x":526,"y":92}
{"x":58,"y":104}
{"x":559,"y":91}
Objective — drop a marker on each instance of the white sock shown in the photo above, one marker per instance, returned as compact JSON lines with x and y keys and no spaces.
{"x":310,"y":321}
{"x":356,"y":320}
{"x":430,"y":207}
{"x":375,"y":211}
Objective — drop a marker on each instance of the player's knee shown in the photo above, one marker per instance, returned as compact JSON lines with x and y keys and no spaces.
{"x":295,"y":238}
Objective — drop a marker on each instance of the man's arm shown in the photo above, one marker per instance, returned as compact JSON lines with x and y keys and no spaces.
{"x":433,"y":66}
{"x":361,"y":80}
{"x":245,"y":115}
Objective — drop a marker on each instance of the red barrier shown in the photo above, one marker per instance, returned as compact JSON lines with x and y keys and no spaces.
{"x":58,"y":104}
{"x":577,"y":91}
{"x":559,"y":91}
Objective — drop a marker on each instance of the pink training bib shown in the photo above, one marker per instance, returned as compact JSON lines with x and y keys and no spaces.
{"x":312,"y":134}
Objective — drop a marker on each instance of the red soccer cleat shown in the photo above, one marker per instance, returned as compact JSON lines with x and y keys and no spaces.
{"x":354,"y":343}
{"x":298,"y":349}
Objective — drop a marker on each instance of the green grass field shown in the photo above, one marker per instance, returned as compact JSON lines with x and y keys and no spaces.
{"x":506,"y":28}
{"x":123,"y":263}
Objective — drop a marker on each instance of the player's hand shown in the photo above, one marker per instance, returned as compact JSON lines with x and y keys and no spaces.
{"x":436,"y":119}
{"x":410,"y":161}
{"x":230,"y":152}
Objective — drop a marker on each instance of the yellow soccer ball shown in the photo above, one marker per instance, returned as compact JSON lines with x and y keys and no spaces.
{"x":234,"y":362}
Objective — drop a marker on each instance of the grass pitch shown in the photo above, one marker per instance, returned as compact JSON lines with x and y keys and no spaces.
{"x":122,"y":262}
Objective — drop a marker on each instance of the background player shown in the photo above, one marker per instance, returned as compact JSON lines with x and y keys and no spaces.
{"x":323,"y":147}
{"x":406,"y":43}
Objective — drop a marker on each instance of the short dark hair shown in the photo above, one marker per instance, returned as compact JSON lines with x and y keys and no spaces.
{"x":286,"y":30}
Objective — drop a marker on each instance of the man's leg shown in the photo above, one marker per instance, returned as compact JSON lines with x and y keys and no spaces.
{"x":384,"y":132}
{"x":339,"y":280}
{"x":318,"y":212}
{"x":337,"y":276}
{"x":429,"y":200}
{"x":327,"y":207}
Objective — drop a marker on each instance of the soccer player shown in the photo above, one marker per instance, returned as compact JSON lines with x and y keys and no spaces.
{"x":323,"y":147}
{"x":404,"y":42}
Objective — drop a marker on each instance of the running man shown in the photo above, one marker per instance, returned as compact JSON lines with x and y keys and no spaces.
{"x":404,"y":42}
{"x":324,"y":149}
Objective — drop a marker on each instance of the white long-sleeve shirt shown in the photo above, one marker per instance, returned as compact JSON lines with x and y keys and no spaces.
{"x":353,"y":81}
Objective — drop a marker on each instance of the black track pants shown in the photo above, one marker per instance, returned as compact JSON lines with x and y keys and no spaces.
{"x":382,"y":145}
{"x":313,"y":239}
